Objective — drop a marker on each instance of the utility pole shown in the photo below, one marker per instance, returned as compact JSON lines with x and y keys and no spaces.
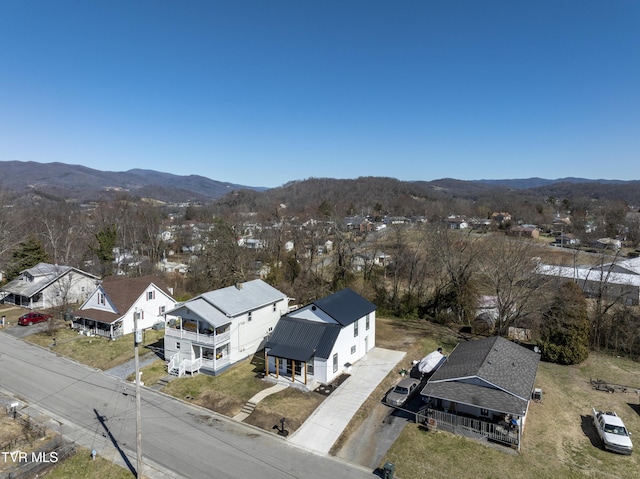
{"x":137,"y":339}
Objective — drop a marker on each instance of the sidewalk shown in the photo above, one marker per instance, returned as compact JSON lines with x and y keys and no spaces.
{"x":251,"y":404}
{"x":323,"y":428}
{"x":124,"y":370}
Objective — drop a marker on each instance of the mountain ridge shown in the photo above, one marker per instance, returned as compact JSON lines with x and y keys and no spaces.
{"x":78,"y":182}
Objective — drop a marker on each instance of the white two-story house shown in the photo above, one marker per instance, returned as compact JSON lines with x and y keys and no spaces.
{"x":216,"y":329}
{"x":320,"y":341}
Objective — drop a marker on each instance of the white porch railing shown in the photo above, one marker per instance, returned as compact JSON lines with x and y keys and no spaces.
{"x":94,"y":331}
{"x":196,"y":337}
{"x":181,"y":367}
{"x":192,"y":365}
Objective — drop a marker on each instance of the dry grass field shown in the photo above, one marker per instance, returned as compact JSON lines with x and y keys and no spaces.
{"x":95,"y":351}
{"x":559,"y":440}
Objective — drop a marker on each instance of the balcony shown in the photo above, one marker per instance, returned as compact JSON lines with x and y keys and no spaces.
{"x":197,"y":337}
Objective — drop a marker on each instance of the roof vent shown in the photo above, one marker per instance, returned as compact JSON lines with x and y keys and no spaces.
{"x":313,"y":308}
{"x":238,"y":285}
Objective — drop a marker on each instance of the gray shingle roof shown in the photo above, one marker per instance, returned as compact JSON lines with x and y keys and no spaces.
{"x":491,"y":373}
{"x":301,"y":339}
{"x":345,"y":306}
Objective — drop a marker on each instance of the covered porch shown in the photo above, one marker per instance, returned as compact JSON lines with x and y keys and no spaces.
{"x":29,"y":302}
{"x":198,"y":331}
{"x":504,"y":429}
{"x":92,"y":327}
{"x":293,"y":364}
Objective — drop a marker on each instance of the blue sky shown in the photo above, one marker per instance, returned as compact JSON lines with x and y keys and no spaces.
{"x":264,"y":92}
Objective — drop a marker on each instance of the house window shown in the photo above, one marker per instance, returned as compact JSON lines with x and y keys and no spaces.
{"x":335,"y":363}
{"x":484,"y":412}
{"x":177,"y":344}
{"x":353,"y":349}
{"x":367,"y":323}
{"x":162,"y":309}
{"x":249,"y":316}
{"x":100,"y":298}
{"x":274,"y":307}
{"x":207,"y":353}
{"x":310,"y":367}
{"x":151,"y":295}
{"x":355,"y":329}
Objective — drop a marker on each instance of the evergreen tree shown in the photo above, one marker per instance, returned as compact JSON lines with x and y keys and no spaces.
{"x":106,"y":238}
{"x":564,"y":337}
{"x":26,"y":255}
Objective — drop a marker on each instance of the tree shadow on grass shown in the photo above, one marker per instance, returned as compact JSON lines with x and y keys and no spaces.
{"x":635,"y":407}
{"x":157,"y":348}
{"x":257,"y":361}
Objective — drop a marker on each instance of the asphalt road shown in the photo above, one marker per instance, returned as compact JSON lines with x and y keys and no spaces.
{"x":179,"y":440}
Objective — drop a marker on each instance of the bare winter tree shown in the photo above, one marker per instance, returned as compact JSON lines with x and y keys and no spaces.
{"x":455,"y":286}
{"x":62,"y":232}
{"x":508,"y":273}
{"x":11,"y":232}
{"x":604,"y":285}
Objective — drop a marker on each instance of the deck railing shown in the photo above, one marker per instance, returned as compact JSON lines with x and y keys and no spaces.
{"x":469,"y":426}
{"x":197,"y":337}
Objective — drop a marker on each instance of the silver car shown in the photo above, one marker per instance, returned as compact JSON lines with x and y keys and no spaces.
{"x":404,"y":390}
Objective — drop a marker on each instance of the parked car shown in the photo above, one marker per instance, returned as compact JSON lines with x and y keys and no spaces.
{"x":33,"y":318}
{"x":403,"y":391}
{"x":611,"y":430}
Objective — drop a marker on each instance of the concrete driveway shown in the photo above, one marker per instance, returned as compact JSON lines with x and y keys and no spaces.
{"x":322,"y":429}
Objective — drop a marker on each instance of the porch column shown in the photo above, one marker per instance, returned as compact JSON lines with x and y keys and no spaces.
{"x":293,"y":371}
{"x":305,"y":373}
{"x":266,"y":364}
{"x":277,"y":366}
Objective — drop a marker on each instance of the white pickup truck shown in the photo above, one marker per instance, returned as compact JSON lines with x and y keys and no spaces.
{"x":611,"y":430}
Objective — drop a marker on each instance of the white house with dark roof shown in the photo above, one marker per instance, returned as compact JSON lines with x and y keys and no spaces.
{"x":485,"y":386}
{"x":109,"y":310}
{"x":49,"y":285}
{"x":219,"y":328}
{"x":320,"y":341}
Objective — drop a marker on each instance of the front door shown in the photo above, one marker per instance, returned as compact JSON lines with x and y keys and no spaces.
{"x":298,"y":367}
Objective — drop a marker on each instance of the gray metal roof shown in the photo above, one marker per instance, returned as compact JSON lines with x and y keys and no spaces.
{"x":220,"y":306}
{"x":300,"y":339}
{"x":33,"y":280}
{"x":244,"y":297}
{"x":203,"y":309}
{"x":491,"y":373}
{"x":345,"y":306}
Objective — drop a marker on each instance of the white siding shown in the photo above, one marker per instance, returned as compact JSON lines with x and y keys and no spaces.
{"x":73,"y":287}
{"x":247,"y":335}
{"x":149,"y":309}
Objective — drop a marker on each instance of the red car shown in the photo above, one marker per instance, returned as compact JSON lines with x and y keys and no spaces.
{"x":32,"y":318}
